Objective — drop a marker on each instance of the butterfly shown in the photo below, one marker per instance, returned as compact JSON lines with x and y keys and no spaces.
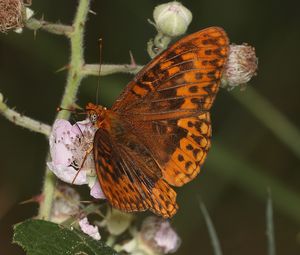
{"x":157,"y":133}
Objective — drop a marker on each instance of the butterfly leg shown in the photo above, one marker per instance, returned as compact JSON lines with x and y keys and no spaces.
{"x":88,"y":151}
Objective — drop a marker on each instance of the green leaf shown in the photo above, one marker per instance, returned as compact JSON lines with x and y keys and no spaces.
{"x":39,"y":237}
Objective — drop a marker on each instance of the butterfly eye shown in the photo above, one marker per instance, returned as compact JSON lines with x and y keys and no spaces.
{"x":93,"y":117}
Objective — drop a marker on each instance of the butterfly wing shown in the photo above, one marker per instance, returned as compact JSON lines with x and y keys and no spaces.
{"x":181,"y":81}
{"x":167,"y":103}
{"x":129,"y":176}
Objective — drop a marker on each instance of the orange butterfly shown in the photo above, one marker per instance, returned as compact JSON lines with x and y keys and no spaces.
{"x":158,"y":131}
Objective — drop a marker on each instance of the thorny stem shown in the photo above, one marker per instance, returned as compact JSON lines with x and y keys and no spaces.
{"x":59,"y":29}
{"x":22,"y":120}
{"x":73,"y":81}
{"x":86,"y":70}
{"x":93,"y":69}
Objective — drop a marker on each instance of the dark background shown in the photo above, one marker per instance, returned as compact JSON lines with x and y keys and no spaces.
{"x":246,"y":157}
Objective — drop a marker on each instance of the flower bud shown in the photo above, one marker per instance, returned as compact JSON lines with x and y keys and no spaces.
{"x":241,"y":66}
{"x":11,"y":15}
{"x":155,"y":237}
{"x":159,"y":236}
{"x":117,"y":222}
{"x":66,"y":203}
{"x":172,"y":19}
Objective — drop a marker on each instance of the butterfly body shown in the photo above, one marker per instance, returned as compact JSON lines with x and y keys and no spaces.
{"x":158,"y":131}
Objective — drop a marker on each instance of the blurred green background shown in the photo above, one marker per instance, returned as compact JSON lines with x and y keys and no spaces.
{"x":249,"y":151}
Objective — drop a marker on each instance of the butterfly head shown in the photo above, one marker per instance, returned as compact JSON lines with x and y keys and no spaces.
{"x":95,"y":113}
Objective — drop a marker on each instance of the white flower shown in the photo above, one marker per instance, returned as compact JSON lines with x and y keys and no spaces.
{"x":89,"y":229}
{"x":172,"y":19}
{"x":155,"y":237}
{"x":158,"y":234}
{"x":72,"y":161}
{"x":166,"y":238}
{"x":241,"y":66}
{"x":66,"y":203}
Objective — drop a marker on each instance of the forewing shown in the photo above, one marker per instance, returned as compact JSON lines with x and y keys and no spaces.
{"x":126,"y":172}
{"x":180,"y":82}
{"x":168,"y":102}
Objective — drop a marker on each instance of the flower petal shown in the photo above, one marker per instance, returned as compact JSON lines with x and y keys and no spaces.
{"x":81,"y":126}
{"x":68,"y":173}
{"x":89,"y":229}
{"x":60,"y":154}
{"x":96,"y":191}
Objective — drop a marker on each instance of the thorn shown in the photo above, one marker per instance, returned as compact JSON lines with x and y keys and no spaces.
{"x":132,"y":60}
{"x":66,"y":67}
{"x":34,"y":34}
{"x":35,"y":199}
{"x":92,"y":12}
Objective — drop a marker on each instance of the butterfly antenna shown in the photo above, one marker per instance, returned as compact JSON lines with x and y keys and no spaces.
{"x":58,"y":109}
{"x":99,"y":71}
{"x":74,"y":111}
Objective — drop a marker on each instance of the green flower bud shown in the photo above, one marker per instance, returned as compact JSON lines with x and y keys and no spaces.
{"x":172,"y":19}
{"x":118,"y":222}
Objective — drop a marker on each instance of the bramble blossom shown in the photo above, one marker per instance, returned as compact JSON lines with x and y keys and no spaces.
{"x":155,"y":237}
{"x":72,"y":161}
{"x":65,"y":204}
{"x":158,"y":234}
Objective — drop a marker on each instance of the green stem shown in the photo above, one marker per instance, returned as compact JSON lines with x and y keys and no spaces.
{"x":93,"y":69}
{"x":58,"y":29}
{"x":22,"y":120}
{"x":273,"y":119}
{"x":73,"y":81}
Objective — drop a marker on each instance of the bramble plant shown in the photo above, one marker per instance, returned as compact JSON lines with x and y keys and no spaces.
{"x":63,"y":220}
